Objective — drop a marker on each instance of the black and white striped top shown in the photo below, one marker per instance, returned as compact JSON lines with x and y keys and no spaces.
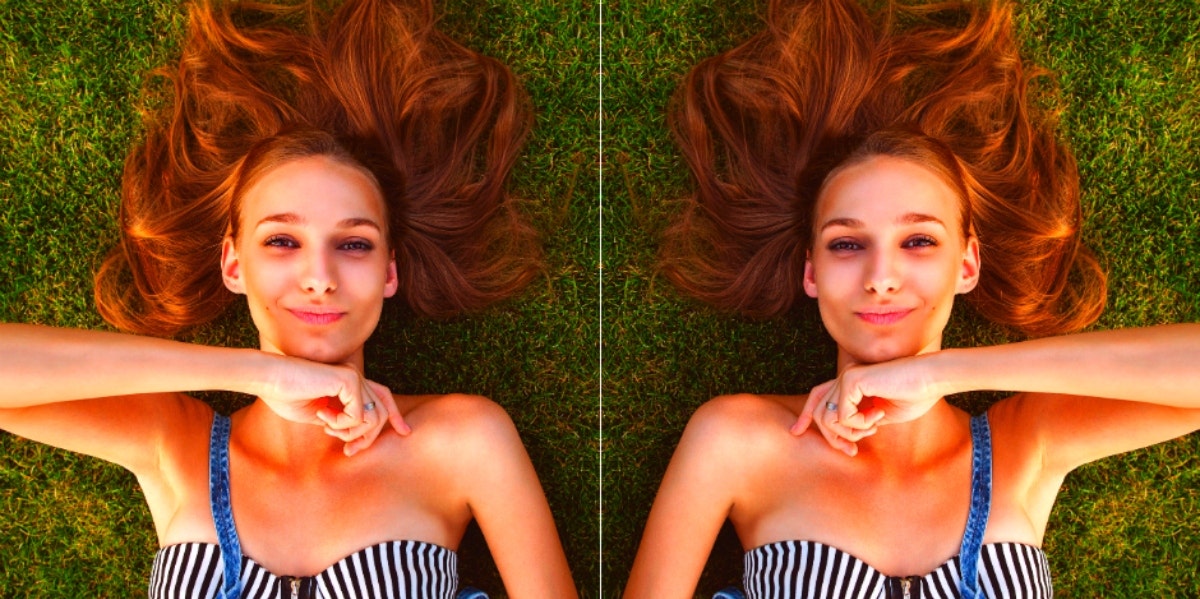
{"x":809,"y":570}
{"x":389,"y":570}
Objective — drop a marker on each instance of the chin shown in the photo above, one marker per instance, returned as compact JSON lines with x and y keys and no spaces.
{"x":318,"y":351}
{"x":881,"y":351}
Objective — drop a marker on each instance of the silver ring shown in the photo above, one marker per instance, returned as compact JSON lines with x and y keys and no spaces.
{"x":831,"y":406}
{"x":369,"y":406}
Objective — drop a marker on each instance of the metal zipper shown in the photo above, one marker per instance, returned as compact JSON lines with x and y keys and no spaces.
{"x":296,"y":588}
{"x":906,"y":587}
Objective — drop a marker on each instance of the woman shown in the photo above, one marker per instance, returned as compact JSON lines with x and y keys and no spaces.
{"x":883,"y":164}
{"x":315,"y":163}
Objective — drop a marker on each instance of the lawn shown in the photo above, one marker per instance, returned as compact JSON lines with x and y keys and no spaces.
{"x":70,"y":73}
{"x":1130,"y":80}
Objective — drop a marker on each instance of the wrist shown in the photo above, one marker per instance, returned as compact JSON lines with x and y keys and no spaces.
{"x":947,"y":372}
{"x":256,"y":372}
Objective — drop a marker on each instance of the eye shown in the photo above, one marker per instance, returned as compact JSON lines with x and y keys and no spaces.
{"x":281,"y":241}
{"x":357,"y":245}
{"x":844,"y":245}
{"x":920,"y":241}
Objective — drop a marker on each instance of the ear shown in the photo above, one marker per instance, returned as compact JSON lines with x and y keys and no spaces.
{"x":810,"y":278}
{"x":231,"y":269}
{"x":969,"y":275}
{"x":392,"y":284}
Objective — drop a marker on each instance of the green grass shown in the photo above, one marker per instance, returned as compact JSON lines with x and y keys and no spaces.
{"x":75,"y":527}
{"x":1125,"y":527}
{"x":69,"y":76}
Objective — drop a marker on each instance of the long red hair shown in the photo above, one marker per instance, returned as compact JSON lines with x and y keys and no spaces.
{"x":763,"y":125}
{"x":438,"y":125}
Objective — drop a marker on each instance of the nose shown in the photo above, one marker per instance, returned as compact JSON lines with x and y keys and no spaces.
{"x":319,"y":274}
{"x":883,"y":274}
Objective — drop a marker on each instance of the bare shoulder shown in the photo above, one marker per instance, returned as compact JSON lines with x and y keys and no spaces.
{"x":746,"y":411}
{"x":742,"y":425}
{"x":456,"y":414}
{"x":454,"y":427}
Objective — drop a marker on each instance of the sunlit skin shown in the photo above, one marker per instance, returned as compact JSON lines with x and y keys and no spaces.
{"x":889,"y":483}
{"x":312,"y":259}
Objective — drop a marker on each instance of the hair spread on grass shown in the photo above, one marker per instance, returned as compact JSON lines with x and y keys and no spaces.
{"x":371,"y":83}
{"x":826,"y":84}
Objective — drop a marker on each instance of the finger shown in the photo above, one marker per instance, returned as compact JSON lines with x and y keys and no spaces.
{"x":802,"y":423}
{"x":373,"y":423}
{"x":815,"y":400}
{"x":858,"y":421}
{"x":345,"y":435}
{"x":352,"y":404}
{"x":847,"y":433}
{"x":326,"y":416}
{"x":341,"y":421}
{"x":827,"y":427}
{"x":366,"y":440}
{"x":393,"y":413}
{"x":874,"y":416}
{"x":852,"y":434}
{"x":848,"y":401}
{"x":354,"y":432}
{"x":361,"y":436}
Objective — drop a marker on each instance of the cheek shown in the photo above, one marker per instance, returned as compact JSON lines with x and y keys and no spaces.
{"x":836,"y":278}
{"x":266,"y":282}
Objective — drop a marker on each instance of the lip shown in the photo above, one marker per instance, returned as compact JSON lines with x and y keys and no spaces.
{"x":317,"y":316}
{"x":884,"y":317}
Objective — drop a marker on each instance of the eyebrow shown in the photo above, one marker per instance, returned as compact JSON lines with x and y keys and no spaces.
{"x":911,"y":218}
{"x":289,"y":218}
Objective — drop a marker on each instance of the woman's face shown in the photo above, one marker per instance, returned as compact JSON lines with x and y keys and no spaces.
{"x":887,"y":259}
{"x":312,"y":258}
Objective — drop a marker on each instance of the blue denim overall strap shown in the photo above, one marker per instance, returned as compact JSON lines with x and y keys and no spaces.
{"x":218,"y":487}
{"x":981,"y":501}
{"x":729,"y":593}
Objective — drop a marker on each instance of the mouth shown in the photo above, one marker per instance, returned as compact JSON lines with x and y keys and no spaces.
{"x":316,"y":317}
{"x":883,"y":317}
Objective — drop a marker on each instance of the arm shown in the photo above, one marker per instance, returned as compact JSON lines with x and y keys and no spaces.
{"x":1067,"y":384}
{"x":42,"y":365}
{"x":506,"y":500}
{"x":693,"y":501}
{"x":1159,"y":365}
{"x":138,"y":380}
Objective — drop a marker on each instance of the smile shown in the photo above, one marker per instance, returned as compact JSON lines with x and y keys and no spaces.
{"x":317,"y":318}
{"x":883,"y":318}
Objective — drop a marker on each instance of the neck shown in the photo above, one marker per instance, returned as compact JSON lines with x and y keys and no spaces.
{"x":913,"y":446}
{"x":298,"y":447}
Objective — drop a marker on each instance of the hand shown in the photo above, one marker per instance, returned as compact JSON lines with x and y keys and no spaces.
{"x":335,"y":396}
{"x":838,"y":434}
{"x":866,"y":397}
{"x":363,"y":435}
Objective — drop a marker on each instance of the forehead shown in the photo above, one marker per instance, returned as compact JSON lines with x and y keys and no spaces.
{"x":882,"y":187}
{"x":318,"y":188}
